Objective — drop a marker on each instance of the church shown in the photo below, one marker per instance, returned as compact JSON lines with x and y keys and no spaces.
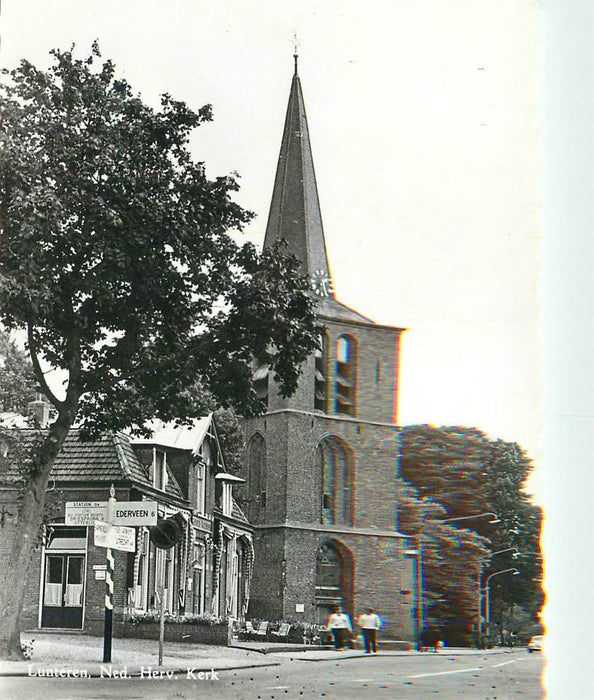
{"x":321,"y":465}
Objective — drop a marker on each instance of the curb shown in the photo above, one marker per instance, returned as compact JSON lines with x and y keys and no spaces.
{"x":292,"y":654}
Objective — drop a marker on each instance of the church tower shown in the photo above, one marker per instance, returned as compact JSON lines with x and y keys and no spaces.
{"x":321,"y":465}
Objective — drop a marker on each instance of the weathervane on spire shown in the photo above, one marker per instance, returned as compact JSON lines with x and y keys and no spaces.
{"x":296,"y":47}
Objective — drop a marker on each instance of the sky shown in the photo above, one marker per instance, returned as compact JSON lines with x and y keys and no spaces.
{"x":424,"y":127}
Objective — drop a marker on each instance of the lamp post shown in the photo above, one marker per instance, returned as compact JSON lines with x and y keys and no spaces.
{"x":514,"y":571}
{"x":515,"y":555}
{"x":420,"y":601}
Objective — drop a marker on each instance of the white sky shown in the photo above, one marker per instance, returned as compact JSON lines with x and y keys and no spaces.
{"x":423,"y":121}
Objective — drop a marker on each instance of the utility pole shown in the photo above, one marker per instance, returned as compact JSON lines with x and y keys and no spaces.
{"x":108,"y":620}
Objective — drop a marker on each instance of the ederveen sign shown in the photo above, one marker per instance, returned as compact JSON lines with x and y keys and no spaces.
{"x":135,"y":513}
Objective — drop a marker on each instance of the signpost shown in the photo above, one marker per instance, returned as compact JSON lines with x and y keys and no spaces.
{"x":110,"y":520}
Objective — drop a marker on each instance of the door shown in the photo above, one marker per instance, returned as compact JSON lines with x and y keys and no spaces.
{"x":63,"y":591}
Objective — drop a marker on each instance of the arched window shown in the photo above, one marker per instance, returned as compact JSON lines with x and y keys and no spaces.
{"x":256,"y":477}
{"x":336,"y":465}
{"x":346,"y":376}
{"x":321,"y":380}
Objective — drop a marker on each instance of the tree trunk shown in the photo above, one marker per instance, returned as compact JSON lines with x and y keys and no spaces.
{"x":29,"y":523}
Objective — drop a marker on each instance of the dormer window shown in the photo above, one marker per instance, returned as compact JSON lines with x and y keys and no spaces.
{"x":225,"y":492}
{"x":227,"y":499}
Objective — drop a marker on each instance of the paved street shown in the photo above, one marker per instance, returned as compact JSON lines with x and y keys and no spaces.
{"x":482,"y":676}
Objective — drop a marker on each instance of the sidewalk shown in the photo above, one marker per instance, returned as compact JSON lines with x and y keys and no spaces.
{"x":80,"y":655}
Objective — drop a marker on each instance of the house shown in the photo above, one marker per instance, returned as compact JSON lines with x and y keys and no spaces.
{"x":208,"y":571}
{"x":321,"y":465}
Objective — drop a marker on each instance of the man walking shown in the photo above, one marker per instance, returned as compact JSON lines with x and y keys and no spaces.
{"x":339,"y":623}
{"x":370,"y":623}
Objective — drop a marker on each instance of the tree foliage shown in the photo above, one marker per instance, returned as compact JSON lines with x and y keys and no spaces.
{"x":452,"y":561}
{"x":17,"y":381}
{"x":115,"y":259}
{"x":116,"y":255}
{"x":231,"y":438}
{"x":467,"y":473}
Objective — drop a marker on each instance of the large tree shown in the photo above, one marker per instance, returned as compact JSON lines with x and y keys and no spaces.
{"x":468,"y":473}
{"x":452,"y":556}
{"x":515,"y":601}
{"x":115,"y":260}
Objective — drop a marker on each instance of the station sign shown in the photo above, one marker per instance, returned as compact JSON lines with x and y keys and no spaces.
{"x":115,"y":537}
{"x":85,"y":512}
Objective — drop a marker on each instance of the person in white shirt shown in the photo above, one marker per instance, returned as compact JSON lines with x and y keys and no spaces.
{"x":339,"y":623}
{"x":370,"y":623}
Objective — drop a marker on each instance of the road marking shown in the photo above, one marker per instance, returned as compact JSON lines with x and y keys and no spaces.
{"x":504,"y":663}
{"x":360,"y":680}
{"x":278,"y":687}
{"x":446,"y":673}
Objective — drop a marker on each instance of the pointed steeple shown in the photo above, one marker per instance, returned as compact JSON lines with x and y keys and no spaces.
{"x":295,"y":214}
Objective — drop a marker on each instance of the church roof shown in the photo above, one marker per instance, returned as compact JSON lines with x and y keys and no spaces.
{"x":295,"y":214}
{"x":330,"y":308}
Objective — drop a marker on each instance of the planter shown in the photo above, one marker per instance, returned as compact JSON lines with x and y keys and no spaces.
{"x":218,"y":634}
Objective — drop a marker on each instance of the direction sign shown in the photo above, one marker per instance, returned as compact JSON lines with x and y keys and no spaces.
{"x":122,"y":538}
{"x":85,"y":512}
{"x":135,"y":513}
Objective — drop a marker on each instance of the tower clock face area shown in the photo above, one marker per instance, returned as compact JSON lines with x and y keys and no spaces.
{"x":321,"y":283}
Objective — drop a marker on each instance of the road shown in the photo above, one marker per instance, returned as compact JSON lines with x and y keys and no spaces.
{"x":484,"y":677}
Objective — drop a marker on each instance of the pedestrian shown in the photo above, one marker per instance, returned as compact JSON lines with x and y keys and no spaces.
{"x":370,"y":623}
{"x":429,"y":639}
{"x":339,"y":623}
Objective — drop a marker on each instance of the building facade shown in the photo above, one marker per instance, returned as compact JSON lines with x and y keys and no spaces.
{"x":321,"y":465}
{"x":208,"y":572}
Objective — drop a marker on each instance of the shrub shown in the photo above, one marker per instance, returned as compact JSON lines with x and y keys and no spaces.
{"x":148,"y":617}
{"x":27,"y":648}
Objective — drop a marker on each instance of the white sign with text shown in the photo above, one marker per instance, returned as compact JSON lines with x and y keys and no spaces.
{"x":114,"y":537}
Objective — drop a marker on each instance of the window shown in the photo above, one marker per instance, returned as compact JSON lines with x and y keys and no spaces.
{"x":201,"y":487}
{"x":198,"y":579}
{"x":159,"y":470}
{"x":335,"y":464}
{"x":345,"y":383}
{"x":227,"y":499}
{"x":321,"y":378}
{"x":260,"y":374}
{"x":256,"y":477}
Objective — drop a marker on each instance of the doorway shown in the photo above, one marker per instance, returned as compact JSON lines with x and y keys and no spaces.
{"x":63,"y":577}
{"x":334,"y":580}
{"x":63,"y":591}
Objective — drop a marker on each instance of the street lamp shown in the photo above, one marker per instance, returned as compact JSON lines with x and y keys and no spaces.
{"x":515,"y":551}
{"x":515,"y":555}
{"x":515,"y":572}
{"x":420,"y":601}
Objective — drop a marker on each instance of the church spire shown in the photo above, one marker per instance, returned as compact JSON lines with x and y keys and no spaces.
{"x":295,"y":214}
